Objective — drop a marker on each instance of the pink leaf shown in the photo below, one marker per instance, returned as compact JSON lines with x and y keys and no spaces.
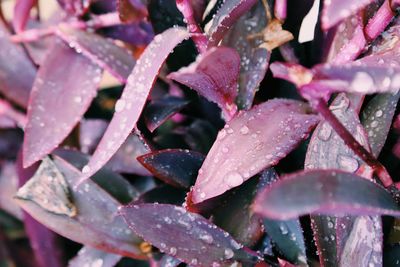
{"x":130,"y":105}
{"x":117,"y":60}
{"x":214,"y":75}
{"x":60,"y":96}
{"x":252,"y":141}
{"x":336,"y":10}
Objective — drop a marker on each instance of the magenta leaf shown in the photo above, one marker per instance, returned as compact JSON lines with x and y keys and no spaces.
{"x":245,"y":146}
{"x":226,"y":16}
{"x":328,"y":192}
{"x":184,"y":235}
{"x":87,"y":215}
{"x":14,"y":83}
{"x":22,"y":10}
{"x":160,"y":110}
{"x":328,"y":151}
{"x":60,"y":96}
{"x":254,"y":60}
{"x":174,"y":166}
{"x":336,"y":10}
{"x":214,"y":75}
{"x":88,"y":256}
{"x":130,"y":105}
{"x":115,"y":59}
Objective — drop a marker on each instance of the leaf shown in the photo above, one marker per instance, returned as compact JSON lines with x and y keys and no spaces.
{"x":132,"y":101}
{"x":254,"y":60}
{"x":174,"y":166}
{"x":90,"y":133}
{"x":163,"y":194}
{"x":22,"y":9}
{"x":75,"y":7}
{"x":226,"y":16}
{"x":245,"y":146}
{"x":324,"y":192}
{"x":160,"y":110}
{"x":8,"y":188}
{"x":287,"y":235}
{"x":137,"y":33}
{"x":336,"y":10}
{"x":93,"y":223}
{"x":104,"y":52}
{"x":184,"y":235}
{"x":88,"y":256}
{"x":15,"y":84}
{"x":213,"y":75}
{"x":60,"y":96}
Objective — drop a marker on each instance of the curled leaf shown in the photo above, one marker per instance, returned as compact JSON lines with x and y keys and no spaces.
{"x":214,"y":75}
{"x":245,"y":146}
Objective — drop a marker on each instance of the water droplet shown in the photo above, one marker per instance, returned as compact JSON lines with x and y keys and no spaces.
{"x":168,"y":220}
{"x":120,"y":105}
{"x":244,"y":130}
{"x":228,"y":253}
{"x":362,"y":82}
{"x":172,"y":251}
{"x":374,"y":124}
{"x":379,"y":113}
{"x":233,"y":179}
{"x":325,"y":132}
{"x":347,"y":163}
{"x":207,"y":238}
{"x":330,"y":224}
{"x":86,"y":169}
{"x":283,"y":229}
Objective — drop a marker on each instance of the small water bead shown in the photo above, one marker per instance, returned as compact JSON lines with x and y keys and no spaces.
{"x":172,"y":251}
{"x":207,"y":238}
{"x":228,"y":253}
{"x":362,"y":82}
{"x":86,"y":169}
{"x":168,"y":220}
{"x":233,"y":179}
{"x":244,"y":130}
{"x":120,"y":105}
{"x":379,"y":113}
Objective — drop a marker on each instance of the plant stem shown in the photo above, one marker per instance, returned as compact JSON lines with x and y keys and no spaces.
{"x":280,"y":9}
{"x":321,"y":106}
{"x":377,"y":24}
{"x":106,"y":20}
{"x":198,"y":36}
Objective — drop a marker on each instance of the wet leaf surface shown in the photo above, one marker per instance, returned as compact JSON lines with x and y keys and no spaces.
{"x":88,"y":256}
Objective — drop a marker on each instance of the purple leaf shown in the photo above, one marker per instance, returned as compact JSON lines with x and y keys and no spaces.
{"x":86,"y":215}
{"x":136,"y":33}
{"x":88,"y":256}
{"x":245,"y":146}
{"x":254,"y":60}
{"x":130,"y":105}
{"x":377,"y":118}
{"x":328,"y":151}
{"x":10,"y":117}
{"x":160,"y":110}
{"x":226,"y":16}
{"x":8,"y":188}
{"x":174,"y":166}
{"x":162,"y":194}
{"x":14,"y":83}
{"x":184,"y":235}
{"x":104,"y":52}
{"x":325,"y":192}
{"x":125,"y":159}
{"x":214,"y":75}
{"x":22,"y":10}
{"x":60,"y":96}
{"x":90,"y":133}
{"x":336,"y":10}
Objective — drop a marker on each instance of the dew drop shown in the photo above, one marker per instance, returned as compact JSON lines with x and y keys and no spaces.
{"x":362,"y":82}
{"x":120,"y":105}
{"x":379,"y":113}
{"x":207,"y":238}
{"x":228,"y":253}
{"x":244,"y":130}
{"x":325,"y":132}
{"x":172,"y":251}
{"x":86,"y":169}
{"x":233,"y":179}
{"x":347,"y":163}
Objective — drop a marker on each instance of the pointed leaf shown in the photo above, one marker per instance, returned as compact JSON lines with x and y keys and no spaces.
{"x":60,"y":96}
{"x":214,"y":75}
{"x":14,"y":83}
{"x":174,"y":166}
{"x":336,"y":10}
{"x":160,"y":110}
{"x":115,"y":59}
{"x":325,"y":192}
{"x":246,"y":146}
{"x":132,"y":101}
{"x":184,"y":235}
{"x":88,"y":214}
{"x":226,"y":16}
{"x":254,"y":63}
{"x":88,"y":256}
